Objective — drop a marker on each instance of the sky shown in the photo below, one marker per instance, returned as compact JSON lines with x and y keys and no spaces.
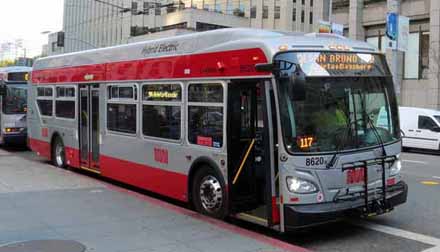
{"x":26,"y":20}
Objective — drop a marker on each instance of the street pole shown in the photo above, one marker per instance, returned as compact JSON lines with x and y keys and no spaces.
{"x":330,"y":11}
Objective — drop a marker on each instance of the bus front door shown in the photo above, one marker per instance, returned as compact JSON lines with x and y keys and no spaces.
{"x":250,"y":162}
{"x":89,"y":137}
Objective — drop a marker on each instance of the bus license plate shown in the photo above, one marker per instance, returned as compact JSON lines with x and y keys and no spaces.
{"x":355,"y":176}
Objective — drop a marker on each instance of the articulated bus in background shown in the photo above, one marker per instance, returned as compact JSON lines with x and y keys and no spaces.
{"x":13,"y":105}
{"x":278,"y":129}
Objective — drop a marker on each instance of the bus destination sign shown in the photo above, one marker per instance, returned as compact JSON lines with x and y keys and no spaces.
{"x":18,"y":76}
{"x":341,"y":64}
{"x":344,"y":62}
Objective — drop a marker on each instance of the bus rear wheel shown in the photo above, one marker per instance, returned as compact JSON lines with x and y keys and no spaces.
{"x":58,"y":153}
{"x":208,"y":193}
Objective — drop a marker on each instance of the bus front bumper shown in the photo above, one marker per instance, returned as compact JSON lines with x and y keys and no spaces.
{"x":18,"y":139}
{"x":301,"y":216}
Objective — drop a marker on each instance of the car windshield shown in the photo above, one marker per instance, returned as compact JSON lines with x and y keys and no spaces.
{"x":336,"y":113}
{"x":437,"y":117}
{"x":15,"y":101}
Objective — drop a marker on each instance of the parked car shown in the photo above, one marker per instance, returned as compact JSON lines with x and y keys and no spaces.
{"x":420,"y":128}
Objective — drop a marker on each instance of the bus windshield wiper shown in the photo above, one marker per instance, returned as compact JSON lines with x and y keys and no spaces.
{"x":373,"y":127}
{"x":340,"y":145}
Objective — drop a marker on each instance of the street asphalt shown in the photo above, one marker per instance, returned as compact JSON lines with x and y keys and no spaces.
{"x":414,"y":226}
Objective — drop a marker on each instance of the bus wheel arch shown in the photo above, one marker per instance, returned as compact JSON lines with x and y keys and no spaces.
{"x":205,"y":166}
{"x":58,"y":153}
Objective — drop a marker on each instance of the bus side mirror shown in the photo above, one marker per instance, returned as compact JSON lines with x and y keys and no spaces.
{"x":298,"y":85}
{"x":2,"y":90}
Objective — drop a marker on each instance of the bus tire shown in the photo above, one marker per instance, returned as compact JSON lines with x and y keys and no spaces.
{"x":58,"y":153}
{"x":209,"y":193}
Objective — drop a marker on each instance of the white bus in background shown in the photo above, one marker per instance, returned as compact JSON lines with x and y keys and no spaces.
{"x":420,"y":128}
{"x":13,"y":104}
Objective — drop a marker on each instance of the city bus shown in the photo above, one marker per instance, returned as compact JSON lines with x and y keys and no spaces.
{"x":274,"y":128}
{"x":13,"y":104}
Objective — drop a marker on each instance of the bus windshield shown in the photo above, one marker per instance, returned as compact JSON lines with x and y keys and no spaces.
{"x":15,"y":101}
{"x":337,"y":111}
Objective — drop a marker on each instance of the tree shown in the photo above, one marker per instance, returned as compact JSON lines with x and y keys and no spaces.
{"x":5,"y":63}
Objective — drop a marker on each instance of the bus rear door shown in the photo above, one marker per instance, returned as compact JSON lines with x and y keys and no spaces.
{"x":89,"y":137}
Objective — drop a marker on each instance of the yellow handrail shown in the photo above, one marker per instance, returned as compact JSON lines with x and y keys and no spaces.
{"x":243,"y":161}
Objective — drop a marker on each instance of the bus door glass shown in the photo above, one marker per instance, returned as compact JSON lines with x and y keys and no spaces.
{"x":89,"y":126}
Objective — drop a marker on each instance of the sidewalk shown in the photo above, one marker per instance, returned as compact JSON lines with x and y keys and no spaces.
{"x":39,"y":201}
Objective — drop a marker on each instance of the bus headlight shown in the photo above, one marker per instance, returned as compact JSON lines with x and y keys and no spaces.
{"x":395,"y":168}
{"x":298,"y":185}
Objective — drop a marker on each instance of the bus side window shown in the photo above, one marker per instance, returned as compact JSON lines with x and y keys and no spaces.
{"x":205,"y":114}
{"x":45,"y":101}
{"x":122,"y":108}
{"x":161,"y":110}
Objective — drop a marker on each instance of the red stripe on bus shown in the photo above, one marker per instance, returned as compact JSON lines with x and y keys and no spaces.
{"x":42,"y":148}
{"x":168,"y":183}
{"x":215,"y":64}
{"x":275,"y":211}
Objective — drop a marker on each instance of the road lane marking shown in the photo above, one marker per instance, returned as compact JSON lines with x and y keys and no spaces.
{"x":414,"y":161}
{"x":398,"y":232}
{"x":426,"y":182}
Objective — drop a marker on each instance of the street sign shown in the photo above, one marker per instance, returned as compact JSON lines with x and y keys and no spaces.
{"x":392,"y":26}
{"x":403,"y":34}
{"x":338,"y":29}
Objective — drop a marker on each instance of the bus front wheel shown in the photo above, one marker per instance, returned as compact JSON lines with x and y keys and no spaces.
{"x":208,"y":193}
{"x":58,"y":153}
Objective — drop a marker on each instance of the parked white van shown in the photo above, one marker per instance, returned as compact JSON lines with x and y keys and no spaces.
{"x":420,"y":128}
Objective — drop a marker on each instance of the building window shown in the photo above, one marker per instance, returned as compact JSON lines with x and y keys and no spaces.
{"x":311,"y":18}
{"x":207,"y":27}
{"x":65,"y":102}
{"x":205,"y":114}
{"x":294,"y":14}
{"x":311,"y":3}
{"x":424,"y":53}
{"x":122,"y":108}
{"x":254,"y":12}
{"x":303,"y":2}
{"x":302,"y":16}
{"x":277,"y":12}
{"x":265,"y":12}
{"x":45,"y":101}
{"x":134,"y":8}
{"x":374,"y":41}
{"x":161,"y":110}
{"x":416,"y":58}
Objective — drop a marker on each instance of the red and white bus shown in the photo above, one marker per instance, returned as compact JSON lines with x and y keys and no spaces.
{"x":279,"y":129}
